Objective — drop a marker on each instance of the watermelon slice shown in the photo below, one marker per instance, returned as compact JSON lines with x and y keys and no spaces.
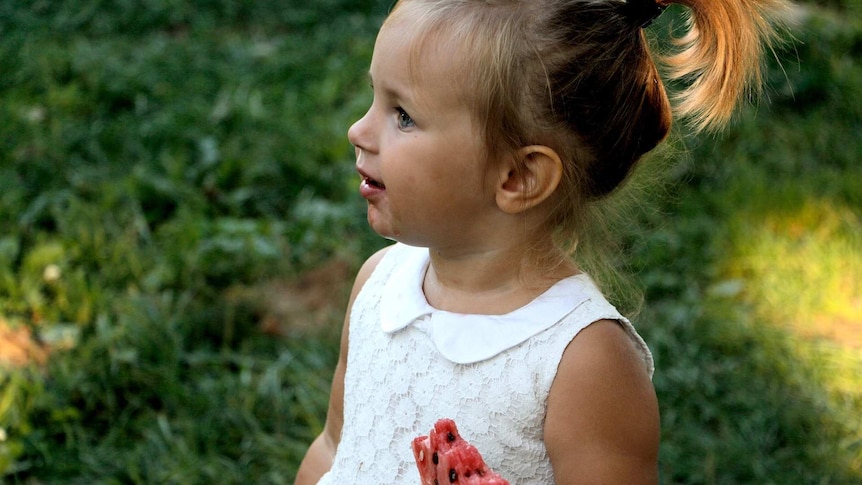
{"x":445,"y":457}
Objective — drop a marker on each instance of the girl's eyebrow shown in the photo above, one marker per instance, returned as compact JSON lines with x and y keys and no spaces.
{"x":387,"y":90}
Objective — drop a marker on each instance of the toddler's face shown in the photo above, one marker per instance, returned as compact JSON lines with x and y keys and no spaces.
{"x":419,"y":151}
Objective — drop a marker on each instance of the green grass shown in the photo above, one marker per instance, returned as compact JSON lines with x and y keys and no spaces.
{"x":161,"y":160}
{"x":165,"y":169}
{"x":753,"y":281}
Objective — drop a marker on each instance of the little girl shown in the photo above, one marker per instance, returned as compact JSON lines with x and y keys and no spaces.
{"x":495,"y":125}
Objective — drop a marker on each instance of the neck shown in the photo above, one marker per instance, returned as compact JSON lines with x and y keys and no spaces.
{"x":496,"y":280}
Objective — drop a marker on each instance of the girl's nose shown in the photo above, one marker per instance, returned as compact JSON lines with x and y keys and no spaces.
{"x":360,"y":133}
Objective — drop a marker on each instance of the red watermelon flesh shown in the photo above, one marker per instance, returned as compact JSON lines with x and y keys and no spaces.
{"x":445,"y":457}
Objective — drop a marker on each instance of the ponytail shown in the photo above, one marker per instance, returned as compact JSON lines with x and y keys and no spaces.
{"x":721,"y":56}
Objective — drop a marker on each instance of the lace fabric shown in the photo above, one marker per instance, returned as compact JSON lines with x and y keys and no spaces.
{"x":398,"y":383}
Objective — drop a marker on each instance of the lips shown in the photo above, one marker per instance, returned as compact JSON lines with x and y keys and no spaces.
{"x":369,"y":186}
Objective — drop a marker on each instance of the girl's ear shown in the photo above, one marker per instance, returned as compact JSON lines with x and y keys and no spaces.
{"x":528,"y":179}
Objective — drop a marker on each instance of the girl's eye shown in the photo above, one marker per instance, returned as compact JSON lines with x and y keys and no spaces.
{"x":404,"y":119}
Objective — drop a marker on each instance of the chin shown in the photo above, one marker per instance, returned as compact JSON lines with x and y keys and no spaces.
{"x":381,"y":227}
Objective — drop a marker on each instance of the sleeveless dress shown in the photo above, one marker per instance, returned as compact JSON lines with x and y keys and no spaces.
{"x":409,"y":364}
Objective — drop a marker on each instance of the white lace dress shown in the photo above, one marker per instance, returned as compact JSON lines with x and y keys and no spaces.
{"x":410,"y":364}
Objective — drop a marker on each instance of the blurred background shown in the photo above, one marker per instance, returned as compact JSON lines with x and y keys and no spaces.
{"x":180,"y":225}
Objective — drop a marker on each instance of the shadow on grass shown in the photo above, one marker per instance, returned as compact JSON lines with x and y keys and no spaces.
{"x":749,"y":285}
{"x":744,"y":398}
{"x":744,"y":401}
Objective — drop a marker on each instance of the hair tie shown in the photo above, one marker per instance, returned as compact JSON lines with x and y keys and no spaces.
{"x":643,"y":12}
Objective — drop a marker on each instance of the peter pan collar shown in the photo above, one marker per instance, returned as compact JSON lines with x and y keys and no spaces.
{"x":467,"y":338}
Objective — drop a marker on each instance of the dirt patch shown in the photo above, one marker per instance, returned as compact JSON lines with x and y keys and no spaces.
{"x":313,"y":302}
{"x":18,"y":346}
{"x":844,"y":332}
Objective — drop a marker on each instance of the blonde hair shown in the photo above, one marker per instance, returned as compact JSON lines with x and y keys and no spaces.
{"x":579,"y":77}
{"x":721,"y":56}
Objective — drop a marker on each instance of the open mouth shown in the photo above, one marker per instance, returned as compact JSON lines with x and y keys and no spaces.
{"x":374,"y":183}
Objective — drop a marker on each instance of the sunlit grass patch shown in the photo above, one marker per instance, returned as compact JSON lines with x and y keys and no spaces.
{"x":797,"y":263}
{"x":802,"y":266}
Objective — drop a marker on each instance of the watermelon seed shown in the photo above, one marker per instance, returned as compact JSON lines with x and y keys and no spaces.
{"x":453,"y":476}
{"x":421,"y":455}
{"x":436,"y":482}
{"x":435,"y":458}
{"x":450,"y":437}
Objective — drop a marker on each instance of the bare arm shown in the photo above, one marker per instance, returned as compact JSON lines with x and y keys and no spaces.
{"x":602,"y":423}
{"x":318,"y":458}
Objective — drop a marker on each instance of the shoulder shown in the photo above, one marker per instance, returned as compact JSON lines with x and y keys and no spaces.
{"x":362,"y":277}
{"x":368,"y":268}
{"x":602,"y":421}
{"x":334,"y":420}
{"x":382,"y":265}
{"x":319,"y":458}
